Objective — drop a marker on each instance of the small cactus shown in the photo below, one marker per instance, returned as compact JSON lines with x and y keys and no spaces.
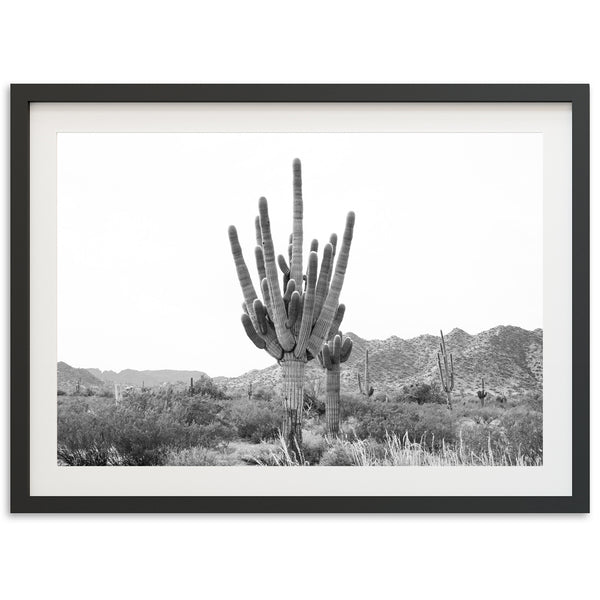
{"x":481,"y":394}
{"x":335,"y":352}
{"x":367,"y":390}
{"x":447,"y":374}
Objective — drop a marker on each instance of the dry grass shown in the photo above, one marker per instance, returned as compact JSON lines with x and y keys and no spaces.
{"x":400,"y":451}
{"x":396,"y":451}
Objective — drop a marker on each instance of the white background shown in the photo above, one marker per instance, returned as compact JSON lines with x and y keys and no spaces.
{"x":229,"y":556}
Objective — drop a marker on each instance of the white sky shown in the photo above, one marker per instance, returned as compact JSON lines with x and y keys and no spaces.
{"x":448,"y":234}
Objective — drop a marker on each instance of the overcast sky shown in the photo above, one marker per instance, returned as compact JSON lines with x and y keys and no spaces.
{"x":448,"y":234}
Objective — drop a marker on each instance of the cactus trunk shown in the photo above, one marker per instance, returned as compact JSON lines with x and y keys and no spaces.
{"x":292,"y":370}
{"x":332,"y":400}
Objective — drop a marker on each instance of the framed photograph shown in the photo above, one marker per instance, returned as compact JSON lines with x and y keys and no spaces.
{"x":300,"y":298}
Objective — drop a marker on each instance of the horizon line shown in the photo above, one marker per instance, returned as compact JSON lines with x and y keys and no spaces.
{"x":345,"y":333}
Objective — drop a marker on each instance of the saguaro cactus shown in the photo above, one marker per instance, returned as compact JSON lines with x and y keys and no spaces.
{"x":447,"y":374}
{"x":335,"y":352}
{"x":481,"y":394}
{"x":363,"y":386}
{"x":291,"y":324}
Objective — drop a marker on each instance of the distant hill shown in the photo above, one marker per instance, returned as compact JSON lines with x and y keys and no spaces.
{"x":509,"y":358}
{"x":147,"y":378}
{"x":69,"y":377}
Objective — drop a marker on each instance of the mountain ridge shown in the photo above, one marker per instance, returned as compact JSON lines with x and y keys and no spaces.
{"x":510,"y":359}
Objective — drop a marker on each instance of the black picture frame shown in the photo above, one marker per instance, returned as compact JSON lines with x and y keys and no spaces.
{"x":22,"y":95}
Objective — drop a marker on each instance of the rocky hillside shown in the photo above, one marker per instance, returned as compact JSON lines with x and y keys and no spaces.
{"x":69,"y":377}
{"x":510,"y":359}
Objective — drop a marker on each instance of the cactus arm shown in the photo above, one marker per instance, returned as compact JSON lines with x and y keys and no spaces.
{"x":333,"y":241}
{"x":251,"y":333}
{"x":293,"y":307}
{"x":325,"y":319}
{"x":297,"y":232}
{"x":283,"y":267}
{"x":337,"y":320}
{"x":314,"y":246}
{"x":307,"y":310}
{"x":284,"y":336}
{"x":323,"y":281}
{"x":337,"y":346}
{"x":326,"y":353}
{"x":289,"y":290}
{"x":257,"y":231}
{"x":242,"y":270}
{"x":345,"y":350}
{"x":296,"y":328}
{"x":451,"y":373}
{"x":260,"y":262}
{"x":264,"y":286}
{"x":261,"y":316}
{"x":273,"y":346}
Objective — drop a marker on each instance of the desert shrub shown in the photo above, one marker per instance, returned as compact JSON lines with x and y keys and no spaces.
{"x":430,"y":422}
{"x":524,"y":431}
{"x":337,"y":455}
{"x":533,"y":401}
{"x":313,"y":406}
{"x":205,"y":386}
{"x":141,"y":436}
{"x":353,"y":405}
{"x":105,"y":393}
{"x":480,"y":414}
{"x":421,"y":393}
{"x":256,"y":420}
{"x":263,"y":394}
{"x":198,"y":410}
{"x":313,"y":446}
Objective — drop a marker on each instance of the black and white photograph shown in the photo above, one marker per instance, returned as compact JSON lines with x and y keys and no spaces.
{"x":300,"y":299}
